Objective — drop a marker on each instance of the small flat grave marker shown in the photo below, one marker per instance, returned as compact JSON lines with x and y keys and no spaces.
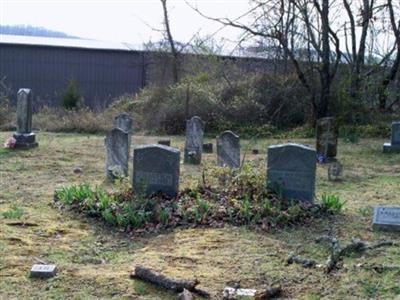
{"x":43,"y":271}
{"x":386,"y":218}
{"x":208,"y":148}
{"x":291,"y":168}
{"x":156,"y":168}
{"x":165,"y":142}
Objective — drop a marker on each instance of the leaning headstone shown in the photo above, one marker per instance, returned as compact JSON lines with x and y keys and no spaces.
{"x":43,"y":271}
{"x":386,"y":218}
{"x":327,"y":137}
{"x":156,"y":169}
{"x":394,"y":145}
{"x":24,"y":136}
{"x":117,"y":148}
{"x":194,"y":140}
{"x":208,"y":148}
{"x":228,"y":150}
{"x":124,"y":122}
{"x":291,"y":170}
{"x":165,"y":142}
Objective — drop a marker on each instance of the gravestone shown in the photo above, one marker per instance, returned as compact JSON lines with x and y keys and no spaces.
{"x":43,"y":271}
{"x":386,"y":218}
{"x":156,"y":169}
{"x":394,"y":145}
{"x":117,"y":148}
{"x":124,"y":122}
{"x":228,"y":150}
{"x":291,"y":169}
{"x":165,"y":142}
{"x":208,"y":148}
{"x":327,"y":137}
{"x":24,"y":136}
{"x":194,"y":140}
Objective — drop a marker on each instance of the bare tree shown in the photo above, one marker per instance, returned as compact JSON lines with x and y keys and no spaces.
{"x":391,"y":75}
{"x":174,"y":51}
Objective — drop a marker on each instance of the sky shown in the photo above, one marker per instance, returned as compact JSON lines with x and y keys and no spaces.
{"x":132,"y":21}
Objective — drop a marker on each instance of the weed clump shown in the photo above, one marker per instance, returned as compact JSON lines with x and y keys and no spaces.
{"x":229,"y":197}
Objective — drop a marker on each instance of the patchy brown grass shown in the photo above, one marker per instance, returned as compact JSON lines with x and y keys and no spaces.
{"x":95,"y":261}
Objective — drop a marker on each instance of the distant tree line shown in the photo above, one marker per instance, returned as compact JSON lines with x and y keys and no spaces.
{"x":32,"y":31}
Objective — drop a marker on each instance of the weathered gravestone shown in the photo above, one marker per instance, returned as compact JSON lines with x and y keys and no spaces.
{"x":156,"y":169}
{"x":24,"y":136}
{"x":194,"y":140}
{"x":228,"y":150}
{"x":124,"y":122}
{"x":117,"y":148}
{"x":386,"y":218}
{"x":43,"y":271}
{"x":291,"y":169}
{"x":394,"y":145}
{"x":327,"y":137}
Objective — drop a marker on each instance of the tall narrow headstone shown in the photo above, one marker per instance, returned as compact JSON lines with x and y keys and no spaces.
{"x":394,"y":145}
{"x":291,"y":171}
{"x":124,"y":122}
{"x":327,"y":137}
{"x":24,"y":136}
{"x":228,"y":150}
{"x":156,"y":169}
{"x":117,"y":148}
{"x":194,"y":140}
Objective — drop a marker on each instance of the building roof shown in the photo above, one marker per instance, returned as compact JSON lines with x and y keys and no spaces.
{"x":66,"y":42}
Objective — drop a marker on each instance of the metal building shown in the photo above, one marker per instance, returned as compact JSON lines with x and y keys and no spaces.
{"x":102,"y":71}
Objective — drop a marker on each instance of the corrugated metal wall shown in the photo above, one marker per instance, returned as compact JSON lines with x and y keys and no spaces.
{"x":101,"y":74}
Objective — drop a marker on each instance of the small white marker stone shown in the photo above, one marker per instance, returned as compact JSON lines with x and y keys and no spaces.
{"x":43,"y":271}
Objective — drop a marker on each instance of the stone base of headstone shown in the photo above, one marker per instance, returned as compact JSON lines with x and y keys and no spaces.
{"x":25,"y":141}
{"x":192,"y":157}
{"x":389,"y":148}
{"x":386,"y":218}
{"x":208,"y":148}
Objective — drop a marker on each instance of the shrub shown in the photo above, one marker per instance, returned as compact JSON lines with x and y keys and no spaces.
{"x":332,"y":204}
{"x":71,"y":96}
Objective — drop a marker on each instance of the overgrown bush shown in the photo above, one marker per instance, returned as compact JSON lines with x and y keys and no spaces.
{"x":257,"y":104}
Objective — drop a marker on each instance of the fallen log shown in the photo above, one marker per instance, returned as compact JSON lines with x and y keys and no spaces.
{"x":173,"y":284}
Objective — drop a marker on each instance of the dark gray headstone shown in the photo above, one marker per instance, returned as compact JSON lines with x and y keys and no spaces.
{"x":156,"y":169}
{"x":327,"y":137}
{"x":117,"y":148}
{"x":194,"y":140}
{"x":386,"y":218}
{"x":208,"y":148}
{"x":291,"y":169}
{"x":124,"y":122}
{"x":43,"y":271}
{"x":24,"y":137}
{"x":394,"y":145}
{"x":228,"y":150}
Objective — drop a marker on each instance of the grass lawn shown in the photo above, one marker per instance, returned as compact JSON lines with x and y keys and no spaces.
{"x":95,"y":261}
